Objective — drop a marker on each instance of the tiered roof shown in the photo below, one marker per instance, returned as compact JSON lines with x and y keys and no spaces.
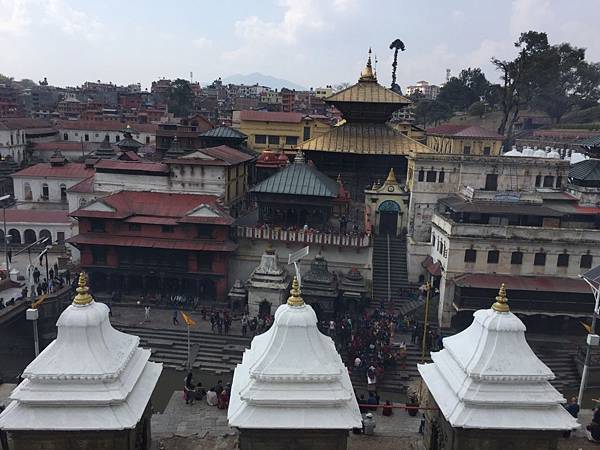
{"x":318,"y":282}
{"x":92,"y":377}
{"x":292,"y":377}
{"x":488,"y":377}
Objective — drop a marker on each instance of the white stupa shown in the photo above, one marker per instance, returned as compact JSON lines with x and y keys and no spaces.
{"x":292,"y":377}
{"x":92,"y":377}
{"x":488,"y":377}
{"x":513,"y":152}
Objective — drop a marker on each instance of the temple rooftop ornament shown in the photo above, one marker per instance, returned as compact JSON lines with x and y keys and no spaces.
{"x":292,"y":378}
{"x":90,"y":378}
{"x":367,"y":74}
{"x":487,"y":377}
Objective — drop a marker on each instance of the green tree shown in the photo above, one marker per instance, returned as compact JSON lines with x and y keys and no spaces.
{"x":461,"y":92}
{"x":181,"y":98}
{"x":477,"y":109}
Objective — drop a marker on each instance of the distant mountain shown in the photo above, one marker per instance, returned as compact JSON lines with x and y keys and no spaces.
{"x":263,"y":80}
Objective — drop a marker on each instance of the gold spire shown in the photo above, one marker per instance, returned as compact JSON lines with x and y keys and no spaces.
{"x":391,"y":178}
{"x":295,"y":299}
{"x":501,"y":304}
{"x":83,"y":296}
{"x":367,"y":73}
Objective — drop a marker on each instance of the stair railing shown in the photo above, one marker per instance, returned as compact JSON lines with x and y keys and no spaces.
{"x":389,"y":272}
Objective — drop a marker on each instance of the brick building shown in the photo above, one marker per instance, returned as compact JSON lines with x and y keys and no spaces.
{"x":154,"y":244}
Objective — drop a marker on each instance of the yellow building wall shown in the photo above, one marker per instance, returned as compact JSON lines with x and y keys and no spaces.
{"x":456,"y":145}
{"x":237,"y":182}
{"x":282,"y":130}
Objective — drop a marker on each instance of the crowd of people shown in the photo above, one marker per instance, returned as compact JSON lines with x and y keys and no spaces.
{"x":218,"y":395}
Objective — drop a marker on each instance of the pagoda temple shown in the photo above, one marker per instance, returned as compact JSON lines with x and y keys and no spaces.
{"x":320,"y":288}
{"x":492,"y":391}
{"x":267,"y":285}
{"x":128,"y":143}
{"x":292,"y":389}
{"x":90,"y":388}
{"x":364,"y":146}
{"x":353,"y":290}
{"x":105,"y":150}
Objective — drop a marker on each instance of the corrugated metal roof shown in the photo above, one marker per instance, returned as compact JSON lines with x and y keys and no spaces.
{"x":465,"y":130}
{"x":368,"y":92}
{"x":299,"y":179}
{"x":592,"y":141}
{"x":460,"y":205}
{"x":364,"y":138}
{"x":588,"y":170}
{"x":224,"y":132}
{"x":137,"y":241}
{"x":520,"y":283}
{"x":37,"y":216}
{"x":69,"y":170}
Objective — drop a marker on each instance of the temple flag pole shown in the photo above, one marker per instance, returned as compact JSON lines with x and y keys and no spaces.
{"x":189,"y":322}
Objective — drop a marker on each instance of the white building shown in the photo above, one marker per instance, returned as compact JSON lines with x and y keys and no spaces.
{"x":95,"y":131}
{"x":292,"y":380}
{"x":90,"y":385}
{"x":16,"y":133}
{"x":430,"y":91}
{"x":487,"y":379}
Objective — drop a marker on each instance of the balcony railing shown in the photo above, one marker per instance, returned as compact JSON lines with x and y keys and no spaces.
{"x":304,"y":236}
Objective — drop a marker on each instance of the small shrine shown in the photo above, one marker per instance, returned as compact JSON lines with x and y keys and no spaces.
{"x":292,"y":389}
{"x":175,"y":150}
{"x":267,"y":285}
{"x":386,"y":207}
{"x":105,"y":150}
{"x":238,"y":297}
{"x":90,"y":388}
{"x":353,"y":290}
{"x":491,"y":389}
{"x":128,"y":143}
{"x":320,"y":288}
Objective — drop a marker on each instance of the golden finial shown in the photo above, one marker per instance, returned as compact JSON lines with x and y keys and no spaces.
{"x":295,"y":299}
{"x":367,"y":73}
{"x":501,"y":304}
{"x":391,"y":178}
{"x":83,"y":296}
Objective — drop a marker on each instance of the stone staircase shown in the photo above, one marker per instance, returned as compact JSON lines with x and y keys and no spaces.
{"x":211,"y":352}
{"x":561,"y":360}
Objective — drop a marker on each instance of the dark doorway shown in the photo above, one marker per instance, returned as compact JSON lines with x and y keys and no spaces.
{"x":388,"y":217}
{"x":491,"y":182}
{"x":264,"y":309}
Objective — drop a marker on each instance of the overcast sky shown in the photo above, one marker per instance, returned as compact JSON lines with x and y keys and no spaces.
{"x":310,"y":42}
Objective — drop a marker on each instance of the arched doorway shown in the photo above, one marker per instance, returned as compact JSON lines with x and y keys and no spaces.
{"x":388,"y":217}
{"x":46,"y":234}
{"x":29,"y":236}
{"x":16,"y":236}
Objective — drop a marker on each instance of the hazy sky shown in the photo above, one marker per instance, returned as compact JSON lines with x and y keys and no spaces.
{"x":310,"y":42}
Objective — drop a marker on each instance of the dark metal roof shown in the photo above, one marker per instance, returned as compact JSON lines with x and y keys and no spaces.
{"x":522,"y":283}
{"x":299,"y":178}
{"x":588,"y":170}
{"x":465,"y":130}
{"x":224,"y":132}
{"x":459,"y":205}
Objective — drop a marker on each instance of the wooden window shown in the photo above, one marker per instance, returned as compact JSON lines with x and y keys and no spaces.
{"x":204,"y":262}
{"x":493,"y":257}
{"x":487,"y":150}
{"x":273,"y":140}
{"x":431,"y":176}
{"x":291,"y":140}
{"x":586,"y":261}
{"x":441,"y":176}
{"x":98,"y":255}
{"x":260,"y":139}
{"x":548,"y":181}
{"x":306,"y":133}
{"x":470,"y":255}
{"x":539,"y":259}
{"x":563,"y":260}
{"x":421,"y":175}
{"x":97,"y":225}
{"x":516,"y":258}
{"x":204,"y":232}
{"x":135,"y":227}
{"x":167,"y":228}
{"x":467,"y":150}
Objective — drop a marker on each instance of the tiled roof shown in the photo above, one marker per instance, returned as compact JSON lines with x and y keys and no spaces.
{"x":367,"y":92}
{"x":588,"y":170}
{"x":222,"y":155}
{"x":474,"y":131}
{"x":108,"y":125}
{"x":85,"y":186}
{"x":67,"y":146}
{"x":224,"y":132}
{"x":37,"y":216}
{"x":265,"y":116}
{"x":138,"y":241}
{"x":69,"y":170}
{"x":364,"y":138}
{"x":111,"y":165}
{"x":299,"y":179}
{"x":126,"y":204}
{"x":19,"y":123}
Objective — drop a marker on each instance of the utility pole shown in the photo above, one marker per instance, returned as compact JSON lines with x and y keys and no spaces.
{"x":6,"y":238}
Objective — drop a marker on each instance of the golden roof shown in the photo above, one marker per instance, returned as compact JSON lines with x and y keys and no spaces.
{"x":364,"y":138}
{"x":367,"y":73}
{"x":501,"y":304}
{"x":368,"y":92}
{"x":391,"y":178}
{"x":295,"y":299}
{"x":83,"y":296}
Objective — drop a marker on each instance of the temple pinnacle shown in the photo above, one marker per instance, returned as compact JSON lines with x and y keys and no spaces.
{"x":83,"y":296}
{"x":295,"y":299}
{"x":501,"y":305}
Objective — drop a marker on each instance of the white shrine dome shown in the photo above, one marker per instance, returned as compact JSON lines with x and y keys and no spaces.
{"x":292,"y":377}
{"x":91,"y":377}
{"x":488,"y":377}
{"x":513,"y":152}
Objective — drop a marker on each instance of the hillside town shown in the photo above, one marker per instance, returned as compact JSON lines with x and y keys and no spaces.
{"x":361,"y":265}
